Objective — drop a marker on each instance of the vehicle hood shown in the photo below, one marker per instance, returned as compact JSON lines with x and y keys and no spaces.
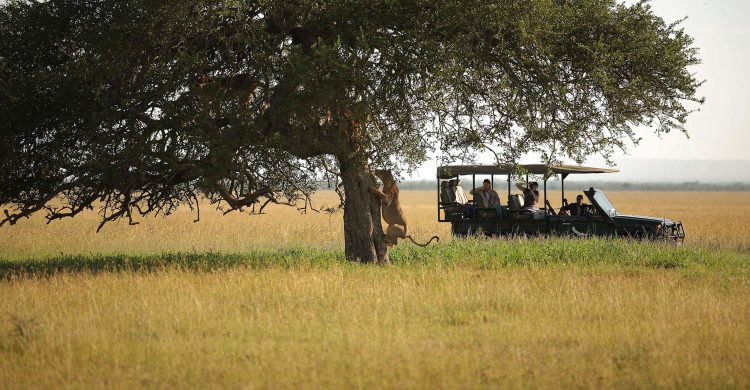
{"x":628,"y":219}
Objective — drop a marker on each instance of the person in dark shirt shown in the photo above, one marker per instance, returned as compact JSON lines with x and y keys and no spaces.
{"x":530,"y":195}
{"x":577,"y":209}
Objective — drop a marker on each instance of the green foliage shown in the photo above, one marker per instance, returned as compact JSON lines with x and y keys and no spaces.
{"x":565,"y":79}
{"x":145,"y":106}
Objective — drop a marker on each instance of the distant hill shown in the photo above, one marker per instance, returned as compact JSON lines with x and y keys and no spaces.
{"x":653,"y":173}
{"x":634,"y":175}
{"x":680,"y":171}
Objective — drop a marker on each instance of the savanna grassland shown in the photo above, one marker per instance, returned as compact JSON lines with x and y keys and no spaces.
{"x":269,"y":302}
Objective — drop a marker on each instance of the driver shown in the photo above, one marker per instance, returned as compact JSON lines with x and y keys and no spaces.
{"x":577,"y":209}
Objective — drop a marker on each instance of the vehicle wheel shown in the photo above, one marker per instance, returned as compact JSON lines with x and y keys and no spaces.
{"x":457,"y":233}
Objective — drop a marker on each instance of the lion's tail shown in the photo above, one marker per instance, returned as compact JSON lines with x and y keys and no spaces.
{"x":428,"y":242}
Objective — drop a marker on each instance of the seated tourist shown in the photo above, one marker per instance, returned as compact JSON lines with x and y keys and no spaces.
{"x":577,"y":209}
{"x":530,"y":195}
{"x":485,"y":196}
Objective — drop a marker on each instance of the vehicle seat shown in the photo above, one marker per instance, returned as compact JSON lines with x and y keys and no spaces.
{"x":458,"y":192}
{"x":515,"y":205}
{"x":446,"y":194}
{"x":515,"y":202}
{"x":453,"y":206}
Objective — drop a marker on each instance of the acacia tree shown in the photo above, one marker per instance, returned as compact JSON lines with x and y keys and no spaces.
{"x":143,"y":106}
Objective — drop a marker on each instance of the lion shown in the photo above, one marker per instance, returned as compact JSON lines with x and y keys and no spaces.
{"x":241,"y":86}
{"x":391,"y":209}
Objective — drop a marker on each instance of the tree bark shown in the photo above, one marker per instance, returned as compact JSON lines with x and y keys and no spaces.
{"x":363,"y":230}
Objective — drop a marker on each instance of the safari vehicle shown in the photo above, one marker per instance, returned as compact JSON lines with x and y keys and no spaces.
{"x":455,"y":207}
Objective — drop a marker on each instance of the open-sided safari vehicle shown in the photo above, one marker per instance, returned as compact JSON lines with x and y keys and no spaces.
{"x":454,"y":206}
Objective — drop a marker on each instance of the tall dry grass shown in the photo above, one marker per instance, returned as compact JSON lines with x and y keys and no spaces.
{"x":463,"y":314}
{"x":717,"y":219}
{"x":365,"y":327}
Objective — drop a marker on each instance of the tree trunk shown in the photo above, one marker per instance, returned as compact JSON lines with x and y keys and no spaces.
{"x":363,"y":231}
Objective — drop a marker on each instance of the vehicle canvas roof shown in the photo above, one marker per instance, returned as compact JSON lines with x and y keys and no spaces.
{"x":450,"y":171}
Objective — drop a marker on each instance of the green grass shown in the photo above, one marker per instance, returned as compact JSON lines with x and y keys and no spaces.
{"x":475,"y":253}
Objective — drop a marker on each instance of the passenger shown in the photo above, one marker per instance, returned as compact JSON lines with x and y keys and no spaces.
{"x":578,"y":209}
{"x":485,"y":196}
{"x":530,"y":195}
{"x":564,"y":209}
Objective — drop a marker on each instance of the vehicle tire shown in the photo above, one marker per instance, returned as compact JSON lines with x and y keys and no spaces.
{"x":457,"y":233}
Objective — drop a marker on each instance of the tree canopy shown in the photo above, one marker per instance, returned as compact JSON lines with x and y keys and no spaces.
{"x":140,"y":107}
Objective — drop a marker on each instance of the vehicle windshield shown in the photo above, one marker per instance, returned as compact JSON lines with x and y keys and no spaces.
{"x":604,"y":203}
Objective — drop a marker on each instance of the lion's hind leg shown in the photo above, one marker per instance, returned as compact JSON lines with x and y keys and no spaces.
{"x":393,"y":233}
{"x":387,"y":240}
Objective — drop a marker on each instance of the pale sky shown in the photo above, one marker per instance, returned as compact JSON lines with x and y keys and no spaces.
{"x":720,"y":130}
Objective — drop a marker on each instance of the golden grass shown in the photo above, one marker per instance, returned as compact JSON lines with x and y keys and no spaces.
{"x":717,"y":219}
{"x":339,"y":325}
{"x":376,"y":327}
